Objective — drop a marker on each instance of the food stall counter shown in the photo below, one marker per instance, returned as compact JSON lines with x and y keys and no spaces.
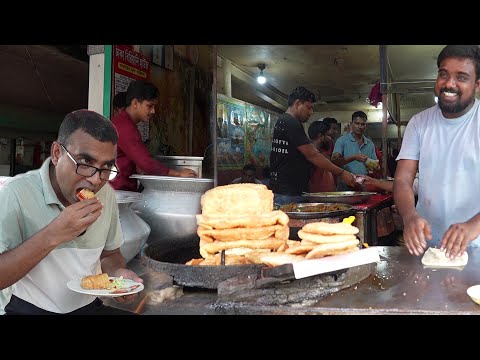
{"x":366,"y":216}
{"x":400,"y":284}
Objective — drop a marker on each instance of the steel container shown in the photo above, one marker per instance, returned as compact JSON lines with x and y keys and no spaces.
{"x":182,"y":162}
{"x":135,"y":229}
{"x":170,"y":207}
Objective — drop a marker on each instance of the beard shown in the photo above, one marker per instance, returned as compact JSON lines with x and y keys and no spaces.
{"x":455,"y":107}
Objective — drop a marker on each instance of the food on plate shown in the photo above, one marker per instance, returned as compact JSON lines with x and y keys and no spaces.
{"x":100,"y":281}
{"x":436,"y":258}
{"x":85,"y":194}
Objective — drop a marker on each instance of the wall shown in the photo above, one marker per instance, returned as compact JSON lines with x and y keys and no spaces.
{"x":20,"y":119}
{"x":30,"y":124}
{"x":244,"y":136}
{"x":169,"y":131}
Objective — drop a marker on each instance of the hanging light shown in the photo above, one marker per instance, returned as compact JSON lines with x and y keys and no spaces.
{"x":261,"y":78}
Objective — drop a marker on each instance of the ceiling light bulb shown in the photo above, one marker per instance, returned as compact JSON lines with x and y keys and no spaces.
{"x":261,"y":79}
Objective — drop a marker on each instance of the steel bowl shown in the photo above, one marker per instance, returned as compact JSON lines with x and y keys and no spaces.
{"x":343,"y":197}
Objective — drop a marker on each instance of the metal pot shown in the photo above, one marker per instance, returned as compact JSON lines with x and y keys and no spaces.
{"x":170,"y":207}
{"x":135,"y":230}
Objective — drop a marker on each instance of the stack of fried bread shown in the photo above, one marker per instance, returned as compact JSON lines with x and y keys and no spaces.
{"x":319,"y":239}
{"x":239,"y":219}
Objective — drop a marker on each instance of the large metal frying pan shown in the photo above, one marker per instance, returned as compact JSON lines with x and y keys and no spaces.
{"x":307,"y":210}
{"x":344,"y":197}
{"x":172,"y":261}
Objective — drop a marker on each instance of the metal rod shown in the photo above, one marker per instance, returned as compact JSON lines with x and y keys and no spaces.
{"x":191,"y":111}
{"x":399,"y":125}
{"x":213,"y":114}
{"x":384,"y":91}
{"x":407,"y":82}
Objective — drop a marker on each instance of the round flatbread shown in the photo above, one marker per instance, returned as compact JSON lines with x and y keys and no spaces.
{"x":276,"y":217}
{"x":324,"y":228}
{"x":324,"y":239}
{"x":332,"y":249}
{"x":301,"y":249}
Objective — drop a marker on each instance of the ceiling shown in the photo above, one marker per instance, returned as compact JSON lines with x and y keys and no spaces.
{"x":51,"y":79}
{"x":341,"y":76}
{"x":54,"y":79}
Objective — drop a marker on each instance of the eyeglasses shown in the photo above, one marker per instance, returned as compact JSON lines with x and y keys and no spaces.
{"x":88,"y":171}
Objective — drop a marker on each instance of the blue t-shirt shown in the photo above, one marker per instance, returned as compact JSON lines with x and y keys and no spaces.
{"x":346,"y":145}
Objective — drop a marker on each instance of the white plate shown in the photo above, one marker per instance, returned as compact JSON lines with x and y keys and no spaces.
{"x":75,"y":285}
{"x":474,"y":293}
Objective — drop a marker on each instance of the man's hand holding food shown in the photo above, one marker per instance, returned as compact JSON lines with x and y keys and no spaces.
{"x":74,"y":220}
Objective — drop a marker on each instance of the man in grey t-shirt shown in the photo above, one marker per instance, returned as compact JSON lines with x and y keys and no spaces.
{"x":443,"y":143}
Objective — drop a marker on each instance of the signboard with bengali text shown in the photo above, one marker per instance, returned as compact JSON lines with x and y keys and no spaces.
{"x":129,"y":65}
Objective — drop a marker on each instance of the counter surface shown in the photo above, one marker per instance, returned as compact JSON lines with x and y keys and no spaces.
{"x":399,"y":285}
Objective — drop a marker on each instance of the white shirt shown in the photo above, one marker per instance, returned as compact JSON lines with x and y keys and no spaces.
{"x":448,"y":151}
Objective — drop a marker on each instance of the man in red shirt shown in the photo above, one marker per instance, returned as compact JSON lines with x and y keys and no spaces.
{"x":132,"y":153}
{"x":332,"y":134}
{"x":321,"y":180}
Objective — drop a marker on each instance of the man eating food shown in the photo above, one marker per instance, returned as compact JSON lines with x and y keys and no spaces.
{"x":51,"y":234}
